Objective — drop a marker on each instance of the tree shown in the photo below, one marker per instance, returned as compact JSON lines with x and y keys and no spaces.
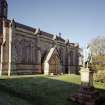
{"x":97,"y":46}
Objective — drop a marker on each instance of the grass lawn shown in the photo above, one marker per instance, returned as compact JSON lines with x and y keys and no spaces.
{"x":40,"y":90}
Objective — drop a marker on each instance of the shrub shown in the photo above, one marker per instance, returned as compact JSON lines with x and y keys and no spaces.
{"x":99,"y":67}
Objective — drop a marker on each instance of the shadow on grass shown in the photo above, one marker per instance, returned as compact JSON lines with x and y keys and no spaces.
{"x":42,"y":90}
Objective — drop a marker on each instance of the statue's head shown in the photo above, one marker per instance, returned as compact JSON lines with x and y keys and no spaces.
{"x":88,"y":46}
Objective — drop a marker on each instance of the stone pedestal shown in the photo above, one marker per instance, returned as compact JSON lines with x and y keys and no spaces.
{"x":86,"y":77}
{"x":87,"y":94}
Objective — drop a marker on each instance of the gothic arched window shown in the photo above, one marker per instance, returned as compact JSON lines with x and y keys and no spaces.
{"x":71,"y":57}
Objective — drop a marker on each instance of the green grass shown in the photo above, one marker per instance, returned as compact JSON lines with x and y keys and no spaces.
{"x":40,"y":90}
{"x":7,"y":99}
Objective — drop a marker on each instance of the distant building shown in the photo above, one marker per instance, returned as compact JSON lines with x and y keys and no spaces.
{"x":27,"y":50}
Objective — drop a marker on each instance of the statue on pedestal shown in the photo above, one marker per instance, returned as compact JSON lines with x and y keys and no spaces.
{"x":86,"y":71}
{"x":87,"y":94}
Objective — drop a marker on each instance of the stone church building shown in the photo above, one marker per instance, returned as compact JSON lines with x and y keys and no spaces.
{"x":27,"y":50}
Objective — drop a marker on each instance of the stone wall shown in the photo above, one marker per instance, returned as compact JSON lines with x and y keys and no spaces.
{"x":25,"y":50}
{"x":5,"y":47}
{"x":72,"y":65}
{"x":25,"y":54}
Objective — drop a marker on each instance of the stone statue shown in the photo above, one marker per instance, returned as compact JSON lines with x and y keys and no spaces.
{"x":87,"y":59}
{"x":87,"y":94}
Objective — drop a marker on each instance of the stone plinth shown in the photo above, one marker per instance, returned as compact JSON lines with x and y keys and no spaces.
{"x":87,"y":94}
{"x":86,"y":77}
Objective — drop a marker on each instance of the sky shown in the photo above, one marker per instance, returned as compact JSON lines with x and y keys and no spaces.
{"x":78,"y":20}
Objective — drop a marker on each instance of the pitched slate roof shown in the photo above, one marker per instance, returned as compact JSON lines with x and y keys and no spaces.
{"x":24,"y":27}
{"x":41,"y":32}
{"x":46,"y":34}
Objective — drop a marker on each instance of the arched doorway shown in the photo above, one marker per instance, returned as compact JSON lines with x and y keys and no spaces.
{"x":54,"y":64}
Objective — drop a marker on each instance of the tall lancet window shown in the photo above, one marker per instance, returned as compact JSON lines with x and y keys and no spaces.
{"x":71,"y":58}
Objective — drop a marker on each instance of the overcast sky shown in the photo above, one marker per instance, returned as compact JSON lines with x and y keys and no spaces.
{"x":77,"y":20}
